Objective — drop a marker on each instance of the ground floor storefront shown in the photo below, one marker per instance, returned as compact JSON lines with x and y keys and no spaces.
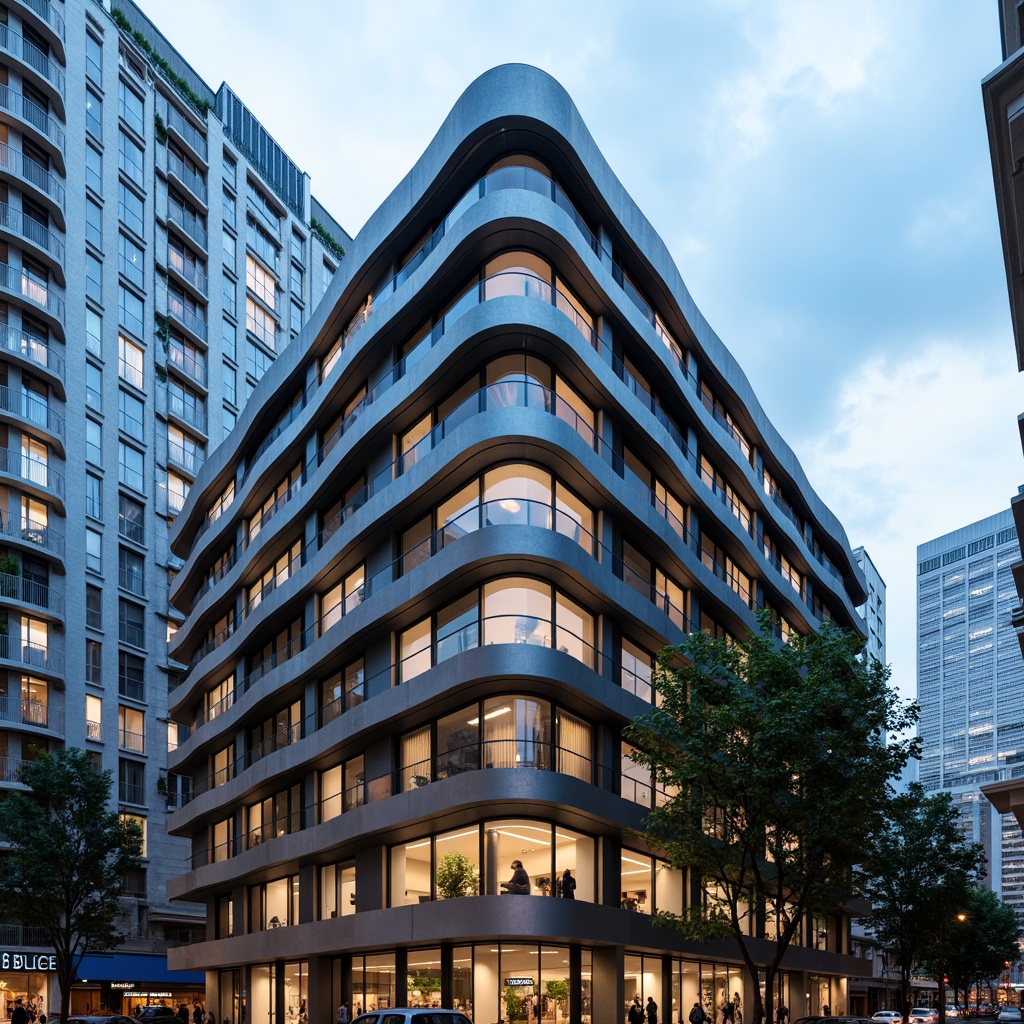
{"x":502,"y":981}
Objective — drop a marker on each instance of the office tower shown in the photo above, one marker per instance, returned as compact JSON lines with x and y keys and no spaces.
{"x":872,"y":611}
{"x":158,"y":250}
{"x":970,"y":684}
{"x":426,"y":581}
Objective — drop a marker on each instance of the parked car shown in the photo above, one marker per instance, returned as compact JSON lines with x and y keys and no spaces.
{"x":923,"y":1015}
{"x":412,"y":1015}
{"x":1010,"y":1013}
{"x":97,"y":1018}
{"x":888,"y":1016}
{"x":156,"y":1012}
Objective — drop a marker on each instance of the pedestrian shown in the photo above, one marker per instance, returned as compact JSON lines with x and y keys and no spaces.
{"x":210,"y":1019}
{"x":197,"y":1012}
{"x":652,"y":1011}
{"x":183,"y":1014}
{"x":343,"y":1015}
{"x":19,"y":1015}
{"x":567,"y":886}
{"x":727,"y":1012}
{"x":697,"y":1015}
{"x":782,"y":1014}
{"x":826,"y":1011}
{"x":636,"y":1012}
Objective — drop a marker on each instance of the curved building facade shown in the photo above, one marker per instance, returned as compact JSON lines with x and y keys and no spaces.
{"x":427,"y":577}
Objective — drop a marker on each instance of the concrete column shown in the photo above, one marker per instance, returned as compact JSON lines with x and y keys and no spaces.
{"x":610,"y":888}
{"x":575,"y":985}
{"x":447,"y":980}
{"x":401,"y":977}
{"x":608,"y":990}
{"x":319,"y":991}
{"x":370,"y":875}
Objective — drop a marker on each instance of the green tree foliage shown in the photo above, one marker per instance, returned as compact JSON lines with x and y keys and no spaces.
{"x":979,"y":947}
{"x":67,"y":860}
{"x":455,"y":876}
{"x":918,"y":876}
{"x":775,"y":760}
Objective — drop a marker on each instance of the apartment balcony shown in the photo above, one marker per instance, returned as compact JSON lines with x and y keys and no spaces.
{"x":45,"y":74}
{"x":14,"y":711}
{"x":24,"y":171}
{"x":188,"y":415}
{"x":41,"y":658}
{"x":42,"y":126}
{"x":37,"y":596}
{"x":187,"y":365}
{"x":10,"y":767}
{"x":190,"y":225}
{"x":193,"y":182}
{"x":43,"y":297}
{"x":187,"y":318}
{"x":37,"y":475}
{"x":187,"y":272}
{"x":33,"y":354}
{"x":50,"y":22}
{"x":40,"y":240}
{"x":187,"y":133}
{"x":189,"y":461}
{"x":22,"y":407}
{"x":34,"y":536}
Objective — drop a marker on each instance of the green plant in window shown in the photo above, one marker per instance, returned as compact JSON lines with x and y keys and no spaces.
{"x":513,"y":1004}
{"x":558,"y":989}
{"x":161,"y":130}
{"x":456,"y":876}
{"x":10,"y":570}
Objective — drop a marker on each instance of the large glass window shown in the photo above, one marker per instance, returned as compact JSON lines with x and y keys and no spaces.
{"x":337,"y":890}
{"x":636,"y":670}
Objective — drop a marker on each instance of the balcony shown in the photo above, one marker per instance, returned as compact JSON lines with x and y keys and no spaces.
{"x":29,"y":170}
{"x":17,"y":588}
{"x":45,"y":11}
{"x":33,"y":410}
{"x":191,"y":225}
{"x":191,"y":136}
{"x":28,"y":53}
{"x":17,"y":343}
{"x":194,"y":182}
{"x":190,"y":461}
{"x":187,"y":364}
{"x":188,"y":272}
{"x":190,"y":415}
{"x":15,"y":527}
{"x":189,"y":319}
{"x":26,"y":652}
{"x":14,"y":462}
{"x":41,"y":293}
{"x":31,"y":113}
{"x":30,"y":712}
{"x":25,"y":229}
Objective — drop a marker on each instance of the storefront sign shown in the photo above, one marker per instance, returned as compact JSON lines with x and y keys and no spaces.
{"x":138,"y":988}
{"x":11,"y":961}
{"x":519,"y":982}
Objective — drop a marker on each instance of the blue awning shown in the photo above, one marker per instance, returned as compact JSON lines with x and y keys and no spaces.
{"x":138,"y":967}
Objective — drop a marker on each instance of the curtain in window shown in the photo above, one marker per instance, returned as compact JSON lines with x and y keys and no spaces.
{"x":574,"y":747}
{"x":416,"y":759}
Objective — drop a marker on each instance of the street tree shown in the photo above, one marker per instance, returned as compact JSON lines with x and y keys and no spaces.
{"x":776,"y":770}
{"x":919,"y":875}
{"x":981,"y":943}
{"x":68,"y":857}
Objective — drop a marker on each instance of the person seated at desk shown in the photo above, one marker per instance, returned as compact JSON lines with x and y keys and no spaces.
{"x":519,"y":883}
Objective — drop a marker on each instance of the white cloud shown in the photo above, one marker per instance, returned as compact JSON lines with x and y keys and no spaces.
{"x":919,"y":446}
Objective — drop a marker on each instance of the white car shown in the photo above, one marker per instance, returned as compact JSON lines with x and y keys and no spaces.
{"x":888,"y":1016}
{"x":923,"y":1015}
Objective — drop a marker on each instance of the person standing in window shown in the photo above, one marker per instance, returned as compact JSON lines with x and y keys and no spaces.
{"x":567,"y":885}
{"x":519,"y":883}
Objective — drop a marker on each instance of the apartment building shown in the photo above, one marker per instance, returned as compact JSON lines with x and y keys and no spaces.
{"x":426,"y":580}
{"x":158,"y":251}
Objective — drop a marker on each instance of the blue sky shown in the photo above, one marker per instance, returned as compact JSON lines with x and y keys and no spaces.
{"x":819,"y":171}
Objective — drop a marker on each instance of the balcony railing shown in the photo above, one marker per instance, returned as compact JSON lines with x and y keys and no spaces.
{"x":14,"y":462}
{"x":17,"y":588}
{"x":32,"y":231}
{"x":45,"y":10}
{"x":18,"y":343}
{"x":132,"y":580}
{"x":27,"y":110}
{"x":31,"y":408}
{"x":19,"y":936}
{"x":128,"y":740}
{"x":131,"y":793}
{"x":32,"y":171}
{"x":193,"y":415}
{"x":21,"y":528}
{"x":195,"y":183}
{"x":188,"y":364}
{"x":26,"y":652}
{"x":188,"y":222}
{"x":30,"y":712}
{"x":131,"y":529}
{"x":18,"y":46}
{"x":43,"y":293}
{"x":186,"y":132}
{"x":189,"y":271}
{"x":190,"y":461}
{"x":186,"y":317}
{"x":129,"y":633}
